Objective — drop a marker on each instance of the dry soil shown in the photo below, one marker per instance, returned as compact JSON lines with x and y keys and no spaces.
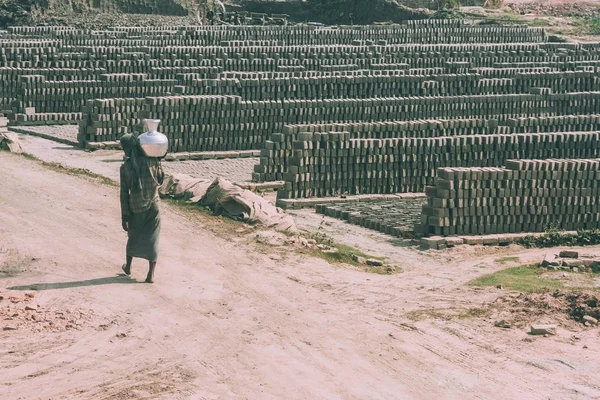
{"x":226,"y":321}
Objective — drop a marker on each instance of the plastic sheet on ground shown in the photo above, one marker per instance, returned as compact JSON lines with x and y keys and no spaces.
{"x":10,"y":141}
{"x":225,"y":198}
{"x":184,"y":187}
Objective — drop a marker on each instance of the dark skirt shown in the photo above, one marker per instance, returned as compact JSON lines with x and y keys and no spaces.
{"x":144,"y":231}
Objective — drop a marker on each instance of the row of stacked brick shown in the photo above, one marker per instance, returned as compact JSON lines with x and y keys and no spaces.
{"x":365,"y":85}
{"x":67,"y":95}
{"x":139,"y":63}
{"x":279,"y":150}
{"x":65,"y":48}
{"x":440,"y":79}
{"x":329,"y":164}
{"x":435,"y":32}
{"x":308,"y":57}
{"x":48,"y":119}
{"x":524,"y":196}
{"x":97,"y":84}
{"x":201,"y":123}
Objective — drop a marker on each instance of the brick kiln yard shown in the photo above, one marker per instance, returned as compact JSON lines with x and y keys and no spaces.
{"x":231,"y":318}
{"x":244,"y":312}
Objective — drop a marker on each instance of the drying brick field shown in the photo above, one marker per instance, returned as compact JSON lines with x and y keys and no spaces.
{"x":333,"y":110}
{"x":449,"y":131}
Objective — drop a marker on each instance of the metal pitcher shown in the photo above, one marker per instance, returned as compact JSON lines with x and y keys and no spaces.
{"x":153,"y":143}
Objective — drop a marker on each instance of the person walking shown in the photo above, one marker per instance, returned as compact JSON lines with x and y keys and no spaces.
{"x":140,"y":178}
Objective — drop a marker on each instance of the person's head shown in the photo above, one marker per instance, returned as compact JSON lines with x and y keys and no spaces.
{"x":128,"y":143}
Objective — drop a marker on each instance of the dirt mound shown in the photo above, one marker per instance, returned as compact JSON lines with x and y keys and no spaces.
{"x":106,"y":20}
{"x":363,"y":11}
{"x":14,"y":11}
{"x":575,"y":9}
{"x":582,"y":305}
{"x":565,"y":308}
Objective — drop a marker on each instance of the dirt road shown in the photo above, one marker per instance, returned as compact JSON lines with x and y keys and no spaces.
{"x":224,"y":321}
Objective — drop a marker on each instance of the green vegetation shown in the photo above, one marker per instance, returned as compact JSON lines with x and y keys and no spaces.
{"x":525,"y":279}
{"x":14,"y":12}
{"x":539,"y":22}
{"x":449,"y":4}
{"x":447,"y":314}
{"x":505,"y":260}
{"x":504,"y":18}
{"x":590,"y":25}
{"x":344,"y":254}
{"x":474,"y":313}
{"x":494,"y":4}
{"x":554,"y":238}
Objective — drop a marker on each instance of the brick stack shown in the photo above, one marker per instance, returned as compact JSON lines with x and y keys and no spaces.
{"x":278,"y":151}
{"x":228,"y":123}
{"x":48,"y":119}
{"x":524,"y":196}
{"x":65,"y":96}
{"x":327,"y":164}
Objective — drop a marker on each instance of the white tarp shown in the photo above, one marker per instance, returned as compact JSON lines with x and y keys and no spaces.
{"x":184,"y":187}
{"x":225,"y":198}
{"x":10,"y":141}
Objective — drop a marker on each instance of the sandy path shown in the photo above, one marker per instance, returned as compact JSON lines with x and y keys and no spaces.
{"x":226,"y":322}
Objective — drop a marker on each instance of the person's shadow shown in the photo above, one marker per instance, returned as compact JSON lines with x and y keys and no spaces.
{"x":119,"y":279}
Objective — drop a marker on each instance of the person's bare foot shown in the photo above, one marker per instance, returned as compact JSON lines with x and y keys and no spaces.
{"x":126,"y":269}
{"x":150,"y":276}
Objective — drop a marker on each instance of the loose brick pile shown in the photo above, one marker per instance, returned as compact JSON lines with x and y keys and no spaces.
{"x":393,"y":217}
{"x":523,"y":196}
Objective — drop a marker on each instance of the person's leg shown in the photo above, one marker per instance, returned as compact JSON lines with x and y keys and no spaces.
{"x":150,"y":277}
{"x":127,"y":266}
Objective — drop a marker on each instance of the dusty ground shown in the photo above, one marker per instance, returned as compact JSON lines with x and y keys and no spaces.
{"x":226,"y":321}
{"x":564,"y":18}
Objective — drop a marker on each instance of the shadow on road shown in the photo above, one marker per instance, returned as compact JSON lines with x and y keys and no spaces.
{"x":66,"y":147}
{"x":400,"y":242}
{"x":119,"y":279}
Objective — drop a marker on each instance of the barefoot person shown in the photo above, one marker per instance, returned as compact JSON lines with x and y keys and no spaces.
{"x":140,"y":178}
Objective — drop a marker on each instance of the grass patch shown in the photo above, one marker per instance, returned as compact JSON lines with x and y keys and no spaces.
{"x":539,"y":22}
{"x":447,"y":314}
{"x":421,"y":315}
{"x":503,"y":18}
{"x":554,"y":238}
{"x":525,"y":279}
{"x":506,"y":260}
{"x":474,"y":313}
{"x":588,"y":26}
{"x":345,"y":254}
